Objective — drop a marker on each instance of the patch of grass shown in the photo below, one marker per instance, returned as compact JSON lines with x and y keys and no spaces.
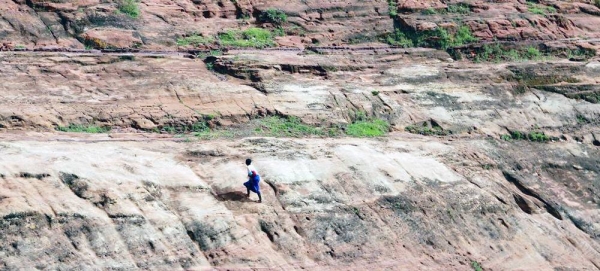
{"x":286,"y":127}
{"x":460,"y":8}
{"x":214,"y":134}
{"x":539,"y":9}
{"x":368,"y":128}
{"x":428,"y":11}
{"x":476,"y":266}
{"x":251,"y":37}
{"x":129,"y":7}
{"x":532,"y":53}
{"x":375,"y":92}
{"x":506,"y":137}
{"x":274,"y":16}
{"x":80,"y":128}
{"x":597,"y":3}
{"x":195,"y":40}
{"x":279,"y":32}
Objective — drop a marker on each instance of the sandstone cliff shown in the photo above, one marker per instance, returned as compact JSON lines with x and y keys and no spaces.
{"x":489,"y":160}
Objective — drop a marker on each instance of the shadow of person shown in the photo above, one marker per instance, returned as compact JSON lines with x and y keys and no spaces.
{"x":234,"y":196}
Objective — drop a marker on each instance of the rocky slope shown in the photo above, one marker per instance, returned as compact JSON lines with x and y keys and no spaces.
{"x":398,"y":203}
{"x":491,"y":159}
{"x":464,"y":196}
{"x":158,"y":24}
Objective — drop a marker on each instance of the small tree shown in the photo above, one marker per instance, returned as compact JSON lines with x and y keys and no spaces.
{"x":274,"y":16}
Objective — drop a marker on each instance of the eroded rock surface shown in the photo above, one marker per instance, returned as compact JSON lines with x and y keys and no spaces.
{"x":459,"y":181}
{"x":158,"y":24}
{"x":399,"y":203}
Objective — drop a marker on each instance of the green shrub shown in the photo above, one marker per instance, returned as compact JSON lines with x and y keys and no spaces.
{"x":79,"y":128}
{"x":274,"y":16}
{"x":428,"y":11}
{"x":399,"y":38}
{"x":460,"y":8}
{"x":496,"y":53}
{"x":393,"y":8}
{"x":516,"y":135}
{"x":597,"y":3}
{"x":442,"y":39}
{"x":463,"y":36}
{"x":426,"y":130}
{"x":370,"y":128}
{"x":538,"y":137}
{"x":251,"y":37}
{"x":531,"y":136}
{"x":437,"y":38}
{"x":195,"y":40}
{"x":129,"y":7}
{"x":196,"y":127}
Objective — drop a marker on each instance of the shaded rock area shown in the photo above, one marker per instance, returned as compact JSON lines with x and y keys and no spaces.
{"x":399,"y":203}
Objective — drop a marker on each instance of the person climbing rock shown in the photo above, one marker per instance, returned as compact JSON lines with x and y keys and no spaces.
{"x":253,"y":180}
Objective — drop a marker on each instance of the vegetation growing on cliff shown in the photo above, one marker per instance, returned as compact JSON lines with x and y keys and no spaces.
{"x":251,"y":37}
{"x":539,"y":9}
{"x":366,"y":126}
{"x":81,"y":128}
{"x":130,"y":7}
{"x":195,"y":40}
{"x":274,"y":16}
{"x":535,"y":136}
{"x":439,"y":37}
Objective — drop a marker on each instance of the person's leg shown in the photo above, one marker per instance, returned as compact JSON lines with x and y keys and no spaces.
{"x":247,"y":192}
{"x":259,"y":197}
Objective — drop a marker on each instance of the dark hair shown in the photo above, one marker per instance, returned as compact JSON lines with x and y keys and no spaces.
{"x":248,"y":161}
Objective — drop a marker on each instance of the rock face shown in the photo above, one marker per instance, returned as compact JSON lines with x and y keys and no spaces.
{"x":158,"y":24}
{"x":403,"y":86}
{"x":395,"y":204}
{"x":486,"y":165}
{"x":404,"y":201}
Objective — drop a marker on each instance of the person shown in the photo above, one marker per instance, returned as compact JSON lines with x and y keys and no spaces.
{"x":253,"y":180}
